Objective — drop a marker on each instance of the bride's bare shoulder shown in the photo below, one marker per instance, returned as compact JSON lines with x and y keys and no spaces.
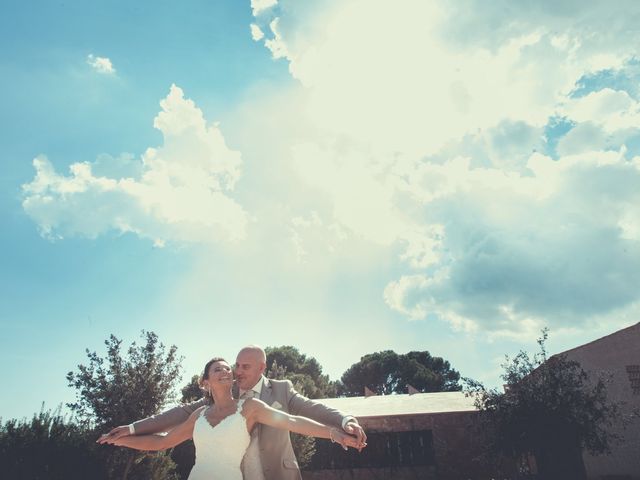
{"x":196,"y":413}
{"x":252,"y":405}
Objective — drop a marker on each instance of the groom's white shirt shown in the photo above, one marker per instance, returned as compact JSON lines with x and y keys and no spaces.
{"x":257,"y":389}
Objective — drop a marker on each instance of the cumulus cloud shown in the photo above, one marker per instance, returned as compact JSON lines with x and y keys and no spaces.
{"x":177,"y":192}
{"x":275,"y":43}
{"x":603,"y":119}
{"x":557,"y":246}
{"x":310,"y":235}
{"x":361,"y":199}
{"x":475,"y":139}
{"x":256,"y":32}
{"x":101,"y":64}
{"x":258,"y":7}
{"x":366,"y":74}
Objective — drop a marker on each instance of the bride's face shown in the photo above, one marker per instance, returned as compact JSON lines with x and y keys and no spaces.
{"x":220,"y":373}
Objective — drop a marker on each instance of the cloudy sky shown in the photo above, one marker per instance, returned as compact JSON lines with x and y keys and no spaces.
{"x":345,"y":176}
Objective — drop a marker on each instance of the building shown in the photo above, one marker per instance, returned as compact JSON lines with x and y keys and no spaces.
{"x":420,"y":436}
{"x":616,"y":356}
{"x":432,"y":436}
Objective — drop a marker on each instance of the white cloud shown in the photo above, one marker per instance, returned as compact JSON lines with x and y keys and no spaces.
{"x":428,"y":134}
{"x":360,"y":190}
{"x":101,"y":64}
{"x":585,"y":137}
{"x":312,"y":238}
{"x":275,"y":44}
{"x":260,"y":6}
{"x":400,"y":295}
{"x":612,"y":110}
{"x":366,"y":75}
{"x":604,"y":119}
{"x":256,"y":33}
{"x":558,"y":246}
{"x":178,"y":192}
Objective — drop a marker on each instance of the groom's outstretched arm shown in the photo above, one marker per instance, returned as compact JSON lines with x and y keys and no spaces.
{"x":168,"y":419}
{"x":303,"y":406}
{"x":155,"y":424}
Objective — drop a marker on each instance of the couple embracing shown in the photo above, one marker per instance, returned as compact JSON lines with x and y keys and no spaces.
{"x":241,"y":429}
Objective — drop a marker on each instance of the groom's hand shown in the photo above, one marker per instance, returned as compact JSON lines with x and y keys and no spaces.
{"x":352,"y":427}
{"x":113,"y":435}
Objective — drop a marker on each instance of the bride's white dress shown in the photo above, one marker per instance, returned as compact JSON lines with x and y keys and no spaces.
{"x":219,"y":449}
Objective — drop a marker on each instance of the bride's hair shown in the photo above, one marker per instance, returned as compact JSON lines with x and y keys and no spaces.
{"x":205,"y":374}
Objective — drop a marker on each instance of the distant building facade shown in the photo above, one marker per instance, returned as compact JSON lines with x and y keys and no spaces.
{"x":421,"y":436}
{"x":431,"y":436}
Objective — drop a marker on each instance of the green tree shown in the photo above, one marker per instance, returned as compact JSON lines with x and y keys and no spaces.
{"x":304,"y":372}
{"x":191,"y":391}
{"x":550,"y":408}
{"x":49,"y":446}
{"x":387,"y":372}
{"x":118,"y":388}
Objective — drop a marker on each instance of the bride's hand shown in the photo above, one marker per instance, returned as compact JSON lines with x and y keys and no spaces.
{"x":346,"y":440}
{"x":114,"y":434}
{"x":119,"y":442}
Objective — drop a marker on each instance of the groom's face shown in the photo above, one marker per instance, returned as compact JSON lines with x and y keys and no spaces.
{"x":248,"y":369}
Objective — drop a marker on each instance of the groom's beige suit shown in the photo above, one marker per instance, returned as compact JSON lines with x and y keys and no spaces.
{"x":276,"y":453}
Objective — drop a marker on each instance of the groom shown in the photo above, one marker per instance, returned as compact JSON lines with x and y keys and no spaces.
{"x":269,"y":446}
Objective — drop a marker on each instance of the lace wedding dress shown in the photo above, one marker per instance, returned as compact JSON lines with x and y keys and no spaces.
{"x":219,"y":449}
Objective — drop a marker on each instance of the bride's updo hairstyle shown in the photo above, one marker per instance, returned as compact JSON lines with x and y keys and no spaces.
{"x":205,"y":374}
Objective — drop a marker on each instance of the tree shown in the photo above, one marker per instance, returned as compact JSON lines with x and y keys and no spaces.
{"x":551,"y":409}
{"x":304,"y":372}
{"x":192,"y":391}
{"x":118,"y":388}
{"x":49,"y":446}
{"x":387,"y":372}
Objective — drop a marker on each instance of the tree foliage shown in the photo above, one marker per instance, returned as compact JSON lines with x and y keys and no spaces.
{"x":49,"y":446}
{"x":304,"y":372}
{"x":191,"y":391}
{"x":550,"y":408}
{"x":119,"y":388}
{"x":387,"y":372}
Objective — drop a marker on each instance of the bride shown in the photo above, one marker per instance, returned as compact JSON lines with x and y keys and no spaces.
{"x":221,"y":431}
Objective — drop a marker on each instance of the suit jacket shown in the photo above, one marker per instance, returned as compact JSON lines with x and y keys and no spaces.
{"x":276,"y":452}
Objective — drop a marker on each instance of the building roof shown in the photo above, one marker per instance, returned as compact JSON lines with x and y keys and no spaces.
{"x":402,"y":404}
{"x":624,"y":331}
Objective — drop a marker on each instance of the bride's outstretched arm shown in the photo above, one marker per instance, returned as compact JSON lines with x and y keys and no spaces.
{"x":182,"y":432}
{"x":257,"y":411}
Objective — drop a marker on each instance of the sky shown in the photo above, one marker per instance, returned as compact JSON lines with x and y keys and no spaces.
{"x":343,"y":176}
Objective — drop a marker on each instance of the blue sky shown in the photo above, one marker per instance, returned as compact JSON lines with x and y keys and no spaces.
{"x":332,"y":175}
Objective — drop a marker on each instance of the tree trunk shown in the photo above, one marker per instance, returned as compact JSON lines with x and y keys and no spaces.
{"x":561,"y":462}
